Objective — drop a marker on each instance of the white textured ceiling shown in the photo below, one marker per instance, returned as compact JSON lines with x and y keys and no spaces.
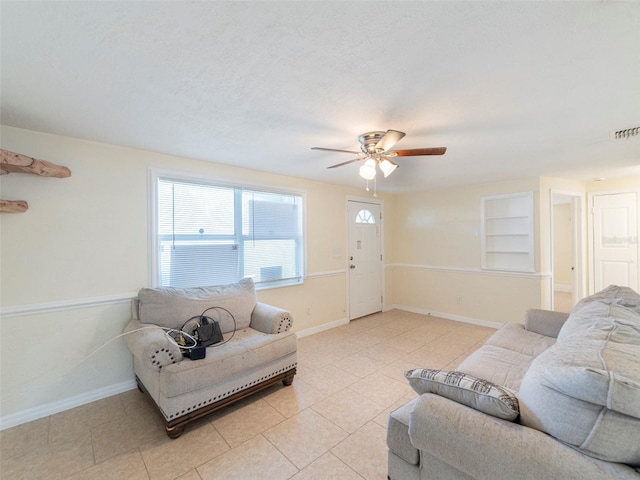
{"x":513,"y":89}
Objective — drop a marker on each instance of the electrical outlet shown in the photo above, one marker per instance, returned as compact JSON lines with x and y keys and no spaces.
{"x":308,"y":310}
{"x":459,"y":300}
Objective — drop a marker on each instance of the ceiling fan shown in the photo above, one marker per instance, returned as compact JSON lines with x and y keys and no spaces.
{"x":376,"y":151}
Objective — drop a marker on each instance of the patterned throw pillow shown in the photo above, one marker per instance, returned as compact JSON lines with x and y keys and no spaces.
{"x":473,"y":392}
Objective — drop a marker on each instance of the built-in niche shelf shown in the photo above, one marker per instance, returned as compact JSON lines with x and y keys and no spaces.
{"x":11,"y":162}
{"x":507,"y":232}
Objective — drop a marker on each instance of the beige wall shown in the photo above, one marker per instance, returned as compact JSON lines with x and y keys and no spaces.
{"x":71,"y":262}
{"x":434,"y":263}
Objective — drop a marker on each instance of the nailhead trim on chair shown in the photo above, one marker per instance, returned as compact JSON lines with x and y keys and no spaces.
{"x":238,"y":389}
{"x":285,"y":324}
{"x":157,"y":363}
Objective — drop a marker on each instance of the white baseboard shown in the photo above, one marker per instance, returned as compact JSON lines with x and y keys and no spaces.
{"x":562,"y":287}
{"x":321,"y":328}
{"x":52,"y":408}
{"x":447,"y":316}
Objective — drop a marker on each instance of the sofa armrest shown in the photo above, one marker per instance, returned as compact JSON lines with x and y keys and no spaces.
{"x":150,"y":345}
{"x":269,"y":319}
{"x":486,"y":447}
{"x":544,"y":322}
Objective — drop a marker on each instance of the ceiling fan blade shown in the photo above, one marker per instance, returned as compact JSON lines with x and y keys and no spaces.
{"x":414,"y":152}
{"x":346,"y":163}
{"x":388,"y":140}
{"x":334,"y":150}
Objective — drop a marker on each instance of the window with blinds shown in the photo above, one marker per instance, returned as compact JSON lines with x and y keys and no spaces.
{"x":210,"y":234}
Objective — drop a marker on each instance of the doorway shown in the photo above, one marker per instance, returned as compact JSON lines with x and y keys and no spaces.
{"x":365,"y":258}
{"x":567,"y":263}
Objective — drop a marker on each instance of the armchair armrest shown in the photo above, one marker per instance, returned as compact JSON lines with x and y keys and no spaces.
{"x":150,"y":345}
{"x":544,"y":322}
{"x":269,"y":319}
{"x":486,"y":447}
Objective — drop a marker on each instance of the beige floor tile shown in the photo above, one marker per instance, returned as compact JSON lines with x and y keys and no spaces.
{"x":385,"y":332}
{"x":381,"y":389}
{"x":404,"y":343}
{"x":343,"y":348}
{"x":348,"y":409}
{"x":363,"y":340}
{"x":330,"y":379}
{"x":397,"y":369}
{"x":167,"y":459}
{"x":24,"y":439}
{"x":257,"y":459}
{"x":291,"y":400}
{"x":305,"y":437}
{"x":56,"y":461}
{"x":435,"y":355}
{"x":127,"y":465}
{"x":327,"y":467}
{"x":316,"y":359}
{"x":360,"y":365}
{"x":371,"y":438}
{"x":241,"y":425}
{"x":383,"y":353}
{"x":124,"y":434}
{"x":91,"y":415}
{"x":192,"y":475}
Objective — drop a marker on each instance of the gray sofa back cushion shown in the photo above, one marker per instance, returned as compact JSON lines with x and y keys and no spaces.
{"x":585,"y":390}
{"x":170,"y":307}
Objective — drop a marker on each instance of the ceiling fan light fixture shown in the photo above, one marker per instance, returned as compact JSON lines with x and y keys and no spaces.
{"x":368,"y":170}
{"x":387,"y":167}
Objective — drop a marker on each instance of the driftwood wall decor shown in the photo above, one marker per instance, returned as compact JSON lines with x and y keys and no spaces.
{"x":11,"y":162}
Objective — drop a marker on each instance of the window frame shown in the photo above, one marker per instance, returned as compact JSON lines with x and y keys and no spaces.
{"x":157,"y":174}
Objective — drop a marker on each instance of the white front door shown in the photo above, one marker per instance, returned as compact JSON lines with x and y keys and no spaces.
{"x":365,"y":259}
{"x":615,"y":240}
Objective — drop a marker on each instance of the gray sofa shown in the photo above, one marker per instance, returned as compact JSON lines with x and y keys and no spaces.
{"x":555,"y":398}
{"x":258,"y":350}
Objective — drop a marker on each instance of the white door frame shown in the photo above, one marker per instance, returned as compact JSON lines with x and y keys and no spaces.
{"x":592,"y":278}
{"x":578,"y":203}
{"x":380,"y":203}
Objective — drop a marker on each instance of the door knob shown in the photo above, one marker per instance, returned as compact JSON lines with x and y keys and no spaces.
{"x":352,"y":266}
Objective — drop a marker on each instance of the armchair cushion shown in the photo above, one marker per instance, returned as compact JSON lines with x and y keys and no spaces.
{"x":249,"y":350}
{"x":170,"y":306}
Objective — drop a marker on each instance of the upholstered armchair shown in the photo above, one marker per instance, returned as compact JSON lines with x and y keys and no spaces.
{"x":257,"y":351}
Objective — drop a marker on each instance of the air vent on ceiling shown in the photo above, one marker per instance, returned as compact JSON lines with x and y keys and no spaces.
{"x":626,"y":133}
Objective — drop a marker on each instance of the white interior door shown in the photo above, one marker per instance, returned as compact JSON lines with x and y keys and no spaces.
{"x":365,"y":259}
{"x":615,"y":240}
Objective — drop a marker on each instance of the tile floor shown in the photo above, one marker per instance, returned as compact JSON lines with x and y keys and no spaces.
{"x":562,"y":301}
{"x":330,"y":424}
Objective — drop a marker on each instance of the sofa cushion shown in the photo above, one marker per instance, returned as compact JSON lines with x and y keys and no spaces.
{"x":171,"y":307}
{"x":585,"y":390}
{"x":591,"y":314}
{"x":506,"y":356}
{"x":466,"y":389}
{"x":249,"y":350}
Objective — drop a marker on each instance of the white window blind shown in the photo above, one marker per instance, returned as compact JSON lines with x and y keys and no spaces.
{"x":211,"y":234}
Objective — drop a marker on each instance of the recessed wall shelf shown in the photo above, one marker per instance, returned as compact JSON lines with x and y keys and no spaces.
{"x":507,"y":232}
